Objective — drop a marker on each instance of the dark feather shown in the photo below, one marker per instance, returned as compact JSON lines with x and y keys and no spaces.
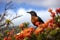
{"x":40,"y":20}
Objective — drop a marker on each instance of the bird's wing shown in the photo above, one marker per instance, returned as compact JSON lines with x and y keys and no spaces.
{"x":40,"y":20}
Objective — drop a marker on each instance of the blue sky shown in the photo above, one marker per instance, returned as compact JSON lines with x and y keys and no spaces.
{"x":22,"y":6}
{"x":16,"y":6}
{"x":34,"y":4}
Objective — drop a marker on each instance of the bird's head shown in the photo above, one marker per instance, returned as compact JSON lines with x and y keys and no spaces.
{"x":33,"y":13}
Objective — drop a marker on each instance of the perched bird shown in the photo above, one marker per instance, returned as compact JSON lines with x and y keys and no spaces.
{"x":35,"y":18}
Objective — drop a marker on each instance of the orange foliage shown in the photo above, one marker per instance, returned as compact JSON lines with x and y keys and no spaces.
{"x":5,"y":38}
{"x":58,"y":10}
{"x":37,"y":23}
{"x":9,"y":38}
{"x":50,"y":10}
{"x":27,"y":32}
{"x":21,"y":25}
{"x":52,"y":14}
{"x":38,"y":30}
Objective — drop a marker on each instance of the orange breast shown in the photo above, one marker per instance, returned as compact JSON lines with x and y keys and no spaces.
{"x":34,"y":19}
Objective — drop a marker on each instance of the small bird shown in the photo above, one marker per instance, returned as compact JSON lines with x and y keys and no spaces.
{"x":35,"y":18}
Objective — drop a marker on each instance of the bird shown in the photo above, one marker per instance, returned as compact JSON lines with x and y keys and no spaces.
{"x":35,"y":18}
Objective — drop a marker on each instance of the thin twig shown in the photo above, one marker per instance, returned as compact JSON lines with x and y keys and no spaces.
{"x":16,"y":17}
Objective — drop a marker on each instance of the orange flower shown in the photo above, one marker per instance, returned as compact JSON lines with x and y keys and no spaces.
{"x":38,"y":30}
{"x":5,"y":38}
{"x":8,"y":33}
{"x":58,"y":10}
{"x":31,"y":29}
{"x":27,"y":35}
{"x":49,"y":21}
{"x":50,"y":10}
{"x":37,"y":23}
{"x":21,"y":36}
{"x":23,"y":33}
{"x":27,"y":31}
{"x":17,"y":37}
{"x":21,"y":25}
{"x":9,"y":38}
{"x":52,"y":14}
{"x":46,"y":23}
{"x":44,"y":26}
{"x":11,"y":32}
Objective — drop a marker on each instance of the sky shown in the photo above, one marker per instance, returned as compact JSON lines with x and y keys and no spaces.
{"x":22,"y":6}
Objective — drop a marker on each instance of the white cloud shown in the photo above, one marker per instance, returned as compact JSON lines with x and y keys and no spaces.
{"x":44,"y":3}
{"x":10,"y":14}
{"x":21,"y":11}
{"x":26,"y":17}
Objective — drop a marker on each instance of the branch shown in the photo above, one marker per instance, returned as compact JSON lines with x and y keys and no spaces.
{"x":2,"y":24}
{"x":16,"y":17}
{"x":6,"y":6}
{"x":2,"y":16}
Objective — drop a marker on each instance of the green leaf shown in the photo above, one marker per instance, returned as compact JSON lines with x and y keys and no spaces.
{"x":1,"y":34}
{"x":13,"y":38}
{"x":1,"y":38}
{"x":26,"y":38}
{"x":42,"y":36}
{"x":26,"y":24}
{"x":33,"y":37}
{"x":53,"y":32}
{"x":58,"y":20}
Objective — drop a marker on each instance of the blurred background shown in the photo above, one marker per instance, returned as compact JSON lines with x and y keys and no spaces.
{"x":20,"y":7}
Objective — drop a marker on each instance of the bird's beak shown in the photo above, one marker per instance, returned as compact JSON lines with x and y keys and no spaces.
{"x":28,"y":12}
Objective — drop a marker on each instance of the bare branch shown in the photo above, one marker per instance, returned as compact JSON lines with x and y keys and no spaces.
{"x":16,"y":17}
{"x":2,"y":24}
{"x":6,"y":6}
{"x":2,"y":16}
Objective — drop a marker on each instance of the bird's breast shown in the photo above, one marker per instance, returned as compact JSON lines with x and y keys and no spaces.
{"x":34,"y":19}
